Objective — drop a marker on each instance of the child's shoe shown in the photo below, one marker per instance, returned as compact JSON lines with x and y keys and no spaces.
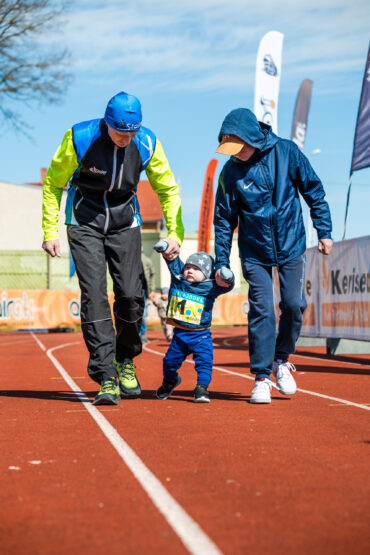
{"x":201,"y":394}
{"x":166,"y":388}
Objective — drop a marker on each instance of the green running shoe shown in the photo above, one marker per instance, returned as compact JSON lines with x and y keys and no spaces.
{"x":109,"y":393}
{"x":128,"y":382}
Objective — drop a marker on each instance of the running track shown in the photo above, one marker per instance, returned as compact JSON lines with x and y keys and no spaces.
{"x":228,"y":477}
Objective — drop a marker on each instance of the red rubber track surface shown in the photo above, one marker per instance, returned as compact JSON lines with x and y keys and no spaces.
{"x":290,"y":477}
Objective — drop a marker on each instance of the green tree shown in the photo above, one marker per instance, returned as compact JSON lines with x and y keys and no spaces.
{"x":30,"y":70}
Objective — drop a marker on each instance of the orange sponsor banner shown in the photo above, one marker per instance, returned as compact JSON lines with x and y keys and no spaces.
{"x":354,"y":314}
{"x":206,"y":209}
{"x":48,"y":309}
{"x":39,"y":308}
{"x":230,"y":309}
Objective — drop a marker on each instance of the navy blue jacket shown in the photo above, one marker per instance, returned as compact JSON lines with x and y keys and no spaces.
{"x":190,"y":304}
{"x":261,"y":196}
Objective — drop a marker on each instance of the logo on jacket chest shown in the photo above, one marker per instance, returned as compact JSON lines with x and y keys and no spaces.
{"x":96,"y":170}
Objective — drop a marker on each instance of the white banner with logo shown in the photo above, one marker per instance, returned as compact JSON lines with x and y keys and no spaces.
{"x":268,"y":71}
{"x":337,"y":289}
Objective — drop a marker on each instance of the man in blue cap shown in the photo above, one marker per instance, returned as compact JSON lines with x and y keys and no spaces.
{"x":258,"y":191}
{"x":101,"y":161}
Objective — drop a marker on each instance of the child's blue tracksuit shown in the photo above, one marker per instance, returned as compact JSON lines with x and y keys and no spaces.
{"x":190,"y":311}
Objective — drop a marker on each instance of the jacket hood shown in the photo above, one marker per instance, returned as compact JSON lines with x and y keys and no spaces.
{"x":243,"y":123}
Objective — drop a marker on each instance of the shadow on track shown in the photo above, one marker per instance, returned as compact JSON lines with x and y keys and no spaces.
{"x":182,"y":395}
{"x":333,"y":370}
{"x":187,"y":397}
{"x":46,"y":395}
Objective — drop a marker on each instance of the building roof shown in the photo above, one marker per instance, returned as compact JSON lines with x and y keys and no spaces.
{"x":150,"y":207}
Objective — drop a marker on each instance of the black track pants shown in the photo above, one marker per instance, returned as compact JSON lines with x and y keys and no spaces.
{"x":91,"y":251}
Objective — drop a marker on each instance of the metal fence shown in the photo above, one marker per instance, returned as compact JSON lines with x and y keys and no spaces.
{"x":36,"y":270}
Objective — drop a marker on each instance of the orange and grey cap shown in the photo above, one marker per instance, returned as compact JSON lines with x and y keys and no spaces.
{"x":230,"y":145}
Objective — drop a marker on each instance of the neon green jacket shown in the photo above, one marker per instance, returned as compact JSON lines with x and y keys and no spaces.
{"x":102,"y":181}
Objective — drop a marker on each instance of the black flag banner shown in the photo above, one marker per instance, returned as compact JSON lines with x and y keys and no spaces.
{"x":361,"y":146}
{"x":299,"y":130}
{"x":300,"y":117}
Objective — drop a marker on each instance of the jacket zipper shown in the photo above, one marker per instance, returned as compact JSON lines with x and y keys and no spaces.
{"x":120,"y":177}
{"x":79,"y":202}
{"x":271,"y":223}
{"x":110,"y":188}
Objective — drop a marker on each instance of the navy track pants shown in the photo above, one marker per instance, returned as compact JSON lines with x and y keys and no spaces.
{"x":264,"y":346}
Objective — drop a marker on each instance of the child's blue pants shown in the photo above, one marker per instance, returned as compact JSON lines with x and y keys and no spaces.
{"x":183,"y":343}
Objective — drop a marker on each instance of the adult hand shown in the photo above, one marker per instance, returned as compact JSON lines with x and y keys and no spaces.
{"x":221,"y":282}
{"x":173,"y":249}
{"x":52,"y":247}
{"x":325,"y":246}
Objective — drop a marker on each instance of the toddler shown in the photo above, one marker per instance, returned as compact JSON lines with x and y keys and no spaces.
{"x":191,"y":298}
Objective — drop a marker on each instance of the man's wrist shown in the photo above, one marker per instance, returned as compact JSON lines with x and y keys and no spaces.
{"x":324,"y":235}
{"x":174,"y":238}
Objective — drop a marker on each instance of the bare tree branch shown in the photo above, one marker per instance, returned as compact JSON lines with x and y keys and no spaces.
{"x":28,"y":71}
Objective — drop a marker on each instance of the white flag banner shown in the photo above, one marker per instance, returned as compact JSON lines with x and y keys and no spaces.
{"x":268,"y":71}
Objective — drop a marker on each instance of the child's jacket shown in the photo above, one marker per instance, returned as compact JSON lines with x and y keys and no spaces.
{"x":190,"y":304}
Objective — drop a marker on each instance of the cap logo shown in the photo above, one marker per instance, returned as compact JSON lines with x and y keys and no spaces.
{"x":120,"y":124}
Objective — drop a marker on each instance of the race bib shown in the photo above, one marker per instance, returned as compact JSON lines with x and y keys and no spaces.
{"x":185,"y":307}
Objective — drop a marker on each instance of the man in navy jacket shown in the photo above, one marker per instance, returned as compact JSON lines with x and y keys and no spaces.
{"x":258,"y":191}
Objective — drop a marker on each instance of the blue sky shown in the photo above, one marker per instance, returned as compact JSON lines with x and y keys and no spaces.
{"x":192,"y":62}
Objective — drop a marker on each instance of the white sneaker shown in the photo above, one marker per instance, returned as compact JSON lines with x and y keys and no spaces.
{"x":261,"y":392}
{"x":284,"y":379}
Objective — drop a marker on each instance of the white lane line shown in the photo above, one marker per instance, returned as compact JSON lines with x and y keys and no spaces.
{"x":41,"y":345}
{"x":361,"y":364}
{"x":344,"y":401}
{"x":189,"y":532}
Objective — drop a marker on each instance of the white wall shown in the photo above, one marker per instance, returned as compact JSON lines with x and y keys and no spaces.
{"x":20,"y":227}
{"x":20,"y":223}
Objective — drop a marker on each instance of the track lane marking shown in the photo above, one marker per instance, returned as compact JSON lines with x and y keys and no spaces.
{"x":220,"y":369}
{"x":189,"y":532}
{"x":40,"y":344}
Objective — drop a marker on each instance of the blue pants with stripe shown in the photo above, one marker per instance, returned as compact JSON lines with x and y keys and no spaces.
{"x":184,"y":343}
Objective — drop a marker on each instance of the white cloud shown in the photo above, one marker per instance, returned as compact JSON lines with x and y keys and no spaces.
{"x":212,"y":44}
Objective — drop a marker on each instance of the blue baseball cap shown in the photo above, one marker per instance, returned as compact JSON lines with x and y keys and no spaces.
{"x":123,"y":112}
